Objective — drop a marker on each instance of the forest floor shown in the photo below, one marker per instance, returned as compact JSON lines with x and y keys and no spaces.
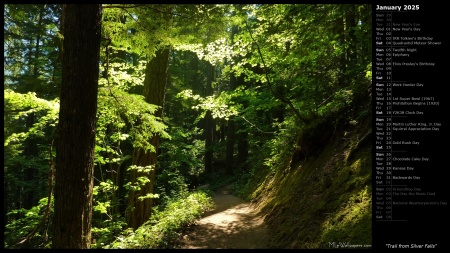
{"x":233,"y":224}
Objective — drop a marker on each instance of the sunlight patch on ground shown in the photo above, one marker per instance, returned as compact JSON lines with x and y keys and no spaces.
{"x":234,"y":224}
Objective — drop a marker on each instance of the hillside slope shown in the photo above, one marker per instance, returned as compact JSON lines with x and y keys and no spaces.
{"x":322,"y":198}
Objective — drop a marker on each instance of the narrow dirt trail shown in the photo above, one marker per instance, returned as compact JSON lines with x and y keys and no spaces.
{"x":233,"y":224}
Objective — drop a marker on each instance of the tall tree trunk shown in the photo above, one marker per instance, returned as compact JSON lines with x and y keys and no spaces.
{"x":194,"y":81}
{"x":76,"y":128}
{"x":209,"y":133}
{"x":116,"y":173}
{"x":5,"y":202}
{"x":139,"y":211}
{"x":242,"y":136}
{"x":30,"y":149}
{"x":231,"y":131}
{"x":339,"y":29}
{"x":242,"y":150}
{"x":229,"y":152}
{"x":350,"y":25}
{"x":367,"y":19}
{"x":222,"y":131}
{"x":121,"y":191}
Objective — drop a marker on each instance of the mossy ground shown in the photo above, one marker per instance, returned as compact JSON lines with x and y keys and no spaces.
{"x":325,"y":198}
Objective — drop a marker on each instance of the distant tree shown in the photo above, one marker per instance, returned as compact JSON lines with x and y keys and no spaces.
{"x":140,"y":202}
{"x":29,"y":66}
{"x":209,"y":124}
{"x":231,"y":131}
{"x":76,"y":128}
{"x":156,"y":29}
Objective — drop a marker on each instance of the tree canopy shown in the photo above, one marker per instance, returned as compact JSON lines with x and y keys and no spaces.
{"x":212,"y":91}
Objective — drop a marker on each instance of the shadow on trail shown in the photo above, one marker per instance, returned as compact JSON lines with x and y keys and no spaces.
{"x":233,"y":224}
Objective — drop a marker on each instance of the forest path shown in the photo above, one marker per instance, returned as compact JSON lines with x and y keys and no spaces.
{"x":233,"y":224}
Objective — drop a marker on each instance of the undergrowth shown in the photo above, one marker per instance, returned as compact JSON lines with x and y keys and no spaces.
{"x":312,"y":199}
{"x":163,"y":228}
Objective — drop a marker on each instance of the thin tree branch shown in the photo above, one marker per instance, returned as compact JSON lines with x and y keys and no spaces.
{"x":253,"y":125}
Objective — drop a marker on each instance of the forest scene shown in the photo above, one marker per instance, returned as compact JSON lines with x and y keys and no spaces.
{"x":172,"y":126}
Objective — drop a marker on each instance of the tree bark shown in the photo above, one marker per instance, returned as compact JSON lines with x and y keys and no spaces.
{"x":231,"y":131}
{"x":339,"y":29}
{"x":242,"y":150}
{"x":30,"y":147}
{"x":139,"y":211}
{"x":229,"y":152}
{"x":75,"y":140}
{"x":209,"y":133}
{"x":350,"y":23}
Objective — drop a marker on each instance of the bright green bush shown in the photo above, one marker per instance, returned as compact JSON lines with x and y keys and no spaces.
{"x":18,"y":229}
{"x":164,"y":226}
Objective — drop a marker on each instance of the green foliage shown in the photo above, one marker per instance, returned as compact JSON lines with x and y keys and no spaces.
{"x":304,"y":56}
{"x":129,"y":116}
{"x":123,"y":75}
{"x":352,"y":221}
{"x":125,"y":34}
{"x":286,"y":58}
{"x":17,"y":106}
{"x":31,"y":49}
{"x":140,"y":181}
{"x":26,"y":162}
{"x":107,"y":232}
{"x":18,"y":229}
{"x":102,"y":202}
{"x":181,"y":162}
{"x":283,"y":144}
{"x":218,"y":107}
{"x":341,"y":99}
{"x":320,"y":199}
{"x":163,"y":227}
{"x":145,"y":29}
{"x":17,"y":136}
{"x":219,"y":180}
{"x":125,"y":121}
{"x":213,"y":52}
